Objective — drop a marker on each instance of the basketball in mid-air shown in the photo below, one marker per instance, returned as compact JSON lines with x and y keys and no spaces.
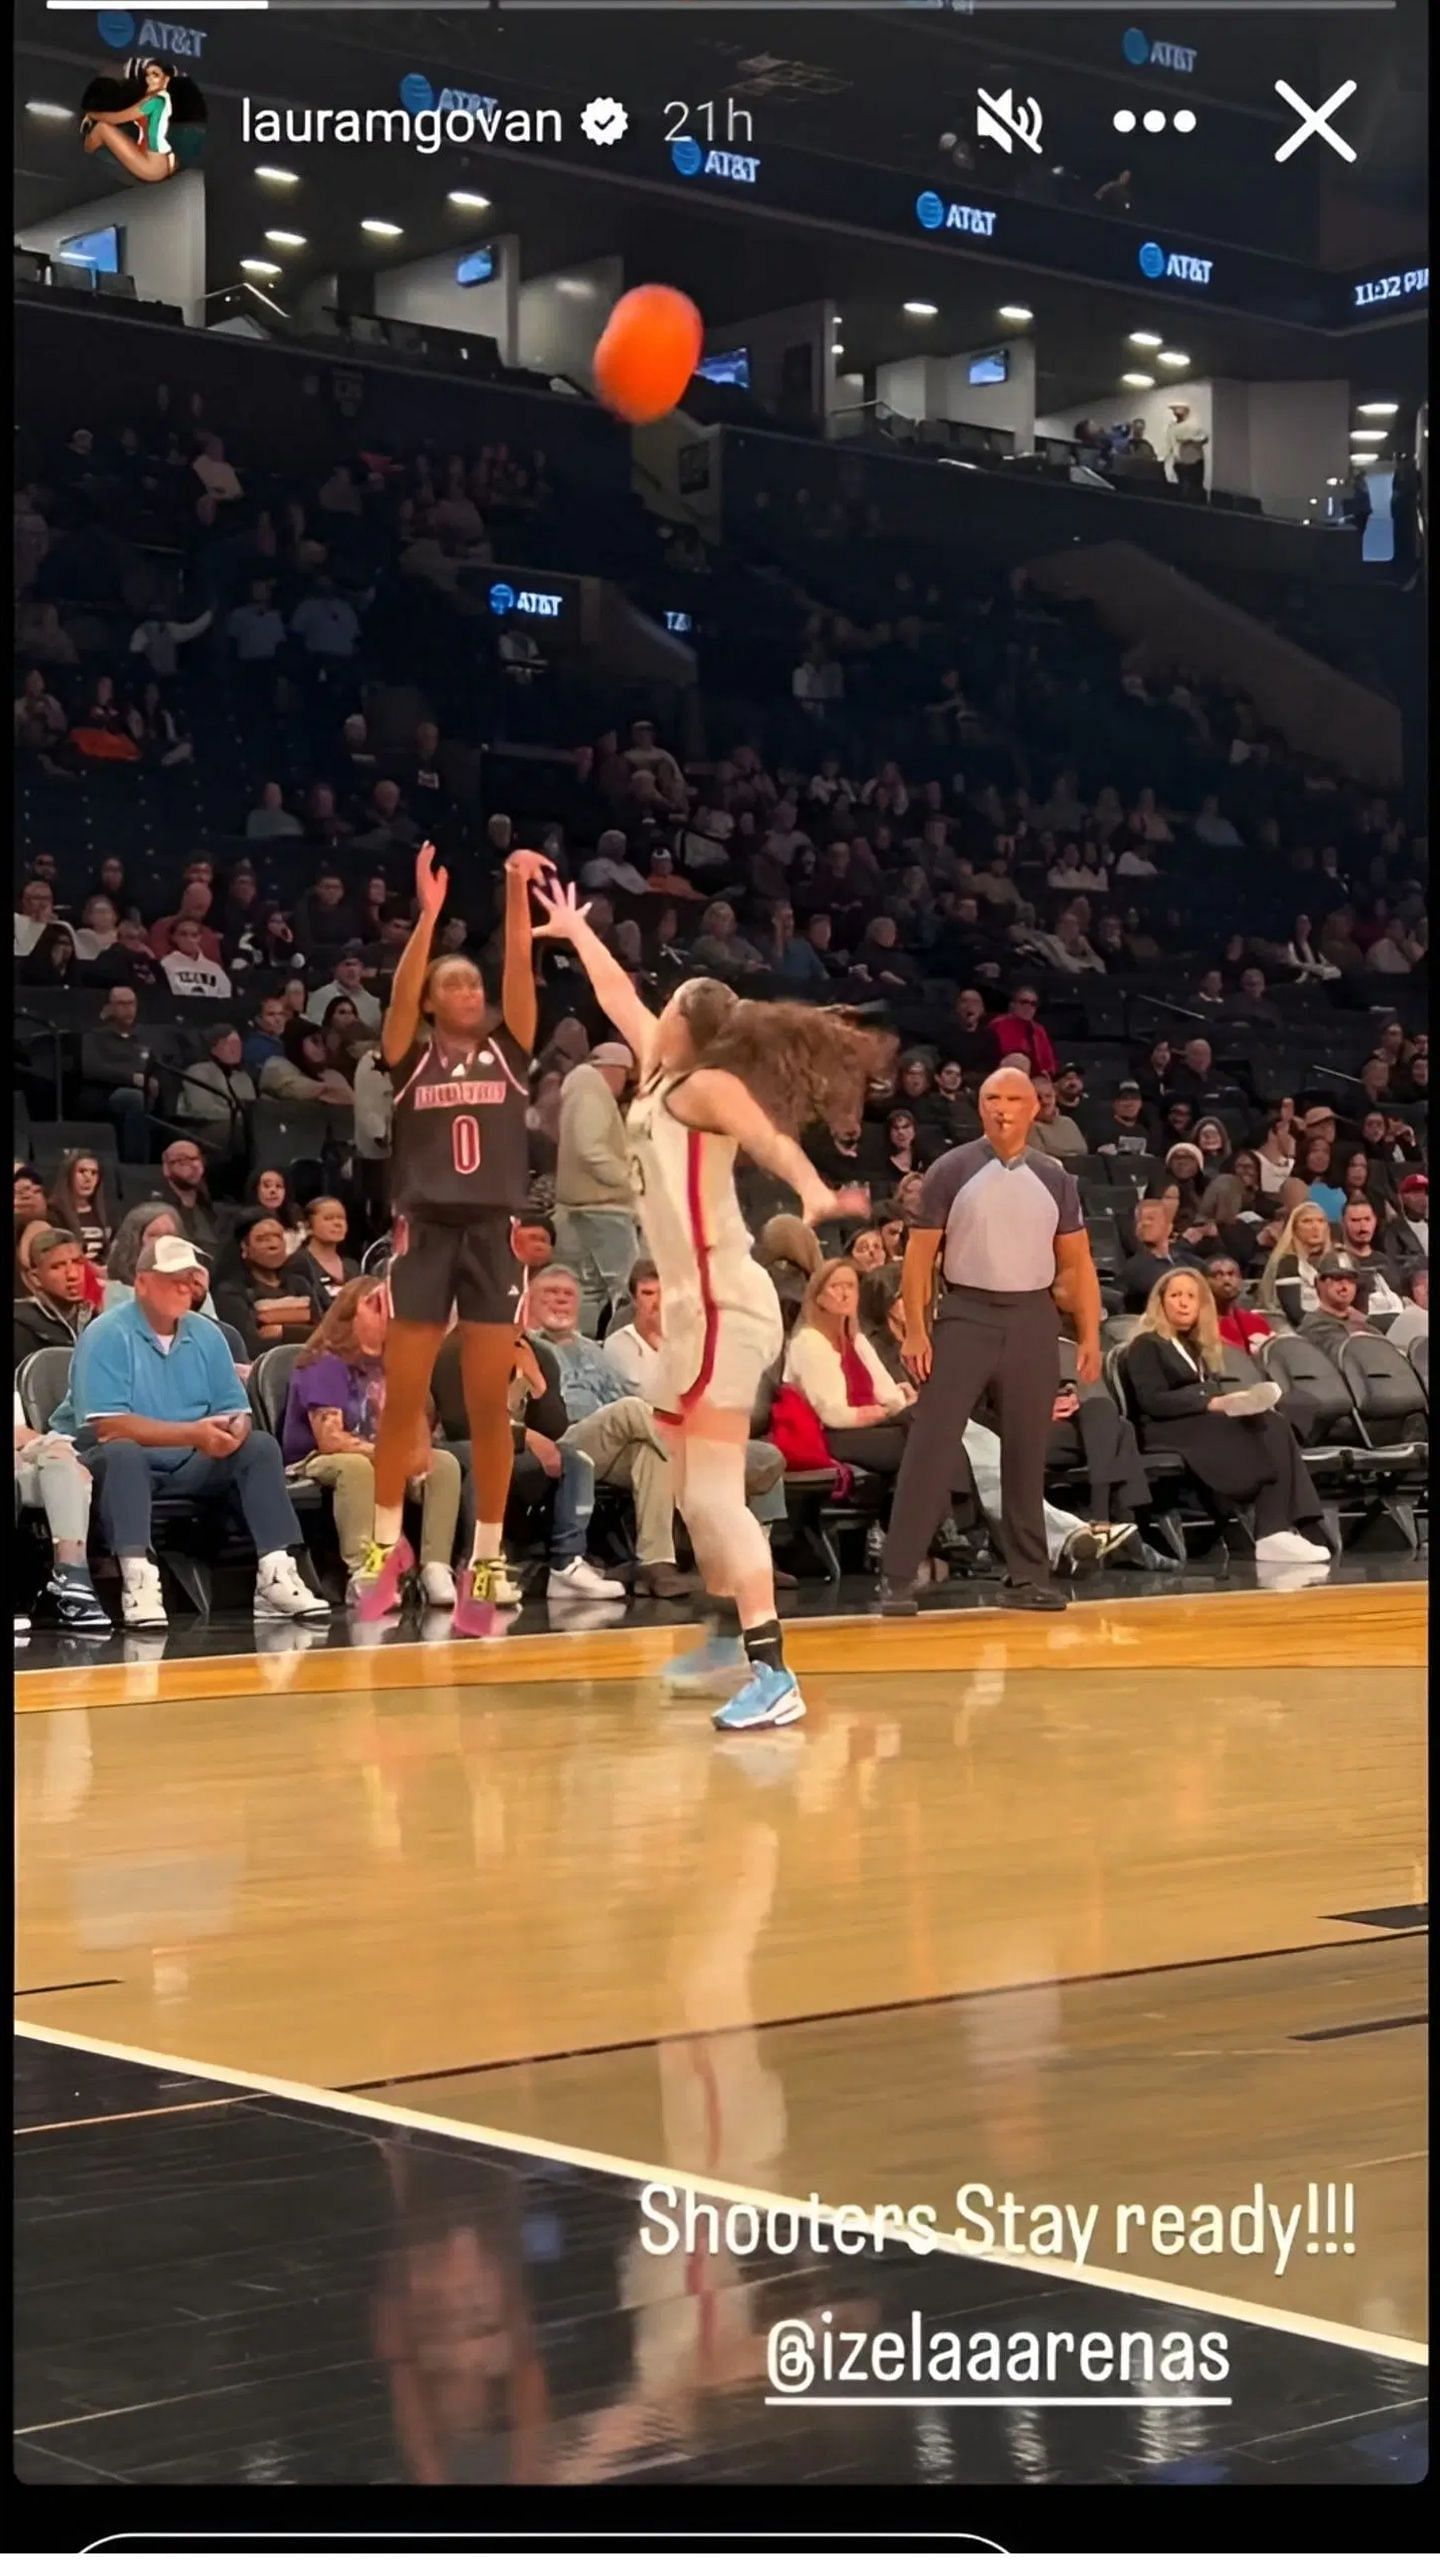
{"x":648,"y":352}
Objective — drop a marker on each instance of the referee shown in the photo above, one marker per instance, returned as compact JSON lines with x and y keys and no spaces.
{"x":1005,"y":1222}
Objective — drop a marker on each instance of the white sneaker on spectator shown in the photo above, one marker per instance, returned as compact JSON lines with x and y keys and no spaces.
{"x":437,"y":1585}
{"x":1286,"y":1546}
{"x":142,"y":1602}
{"x":282,"y":1592}
{"x":578,"y":1580}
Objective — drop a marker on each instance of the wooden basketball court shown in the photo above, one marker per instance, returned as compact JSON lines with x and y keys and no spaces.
{"x":1122,"y":1906}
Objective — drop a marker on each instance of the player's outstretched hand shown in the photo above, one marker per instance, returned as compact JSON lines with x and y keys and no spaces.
{"x":560,"y":908}
{"x":532,"y":868}
{"x":818,"y":1202}
{"x":432,"y":884}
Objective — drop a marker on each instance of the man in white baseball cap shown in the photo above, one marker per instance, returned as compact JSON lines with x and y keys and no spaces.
{"x":158,"y":1406}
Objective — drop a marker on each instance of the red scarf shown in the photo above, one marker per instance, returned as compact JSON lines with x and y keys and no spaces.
{"x":859,"y":1386}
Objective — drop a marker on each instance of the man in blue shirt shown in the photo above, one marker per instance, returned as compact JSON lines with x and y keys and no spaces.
{"x":156,"y":1401}
{"x":614,"y":1429}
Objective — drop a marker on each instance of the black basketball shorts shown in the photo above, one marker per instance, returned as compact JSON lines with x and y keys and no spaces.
{"x":470,"y":1268}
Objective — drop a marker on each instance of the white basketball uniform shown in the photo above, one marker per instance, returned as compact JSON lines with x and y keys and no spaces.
{"x":720,"y":1315}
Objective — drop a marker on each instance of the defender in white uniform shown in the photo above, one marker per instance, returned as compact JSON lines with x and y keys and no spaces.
{"x":708,"y":1066}
{"x":722,"y":1317}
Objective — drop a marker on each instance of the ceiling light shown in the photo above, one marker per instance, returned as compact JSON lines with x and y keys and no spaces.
{"x":1143,"y":338}
{"x":469,"y":203}
{"x":1172,"y":356}
{"x":381,"y":230}
{"x":923,"y":310}
{"x":837,"y":351}
{"x":259,"y":267}
{"x":286,"y":239}
{"x":44,"y":107}
{"x":1366,"y":408}
{"x":1014,"y":311}
{"x":279,"y":177}
{"x":1138,"y":381}
{"x":1332,"y":484}
{"x":1368,"y":435}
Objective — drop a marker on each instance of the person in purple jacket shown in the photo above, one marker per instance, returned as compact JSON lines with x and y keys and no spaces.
{"x":332,"y":1411}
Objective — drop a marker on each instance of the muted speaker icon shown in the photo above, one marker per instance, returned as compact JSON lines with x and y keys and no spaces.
{"x":1000,"y":120}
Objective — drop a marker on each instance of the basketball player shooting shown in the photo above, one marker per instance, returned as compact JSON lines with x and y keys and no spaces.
{"x":718,"y":1076}
{"x":459,"y":1172}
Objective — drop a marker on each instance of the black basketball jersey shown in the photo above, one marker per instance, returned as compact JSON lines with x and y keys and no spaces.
{"x":460,"y":1143}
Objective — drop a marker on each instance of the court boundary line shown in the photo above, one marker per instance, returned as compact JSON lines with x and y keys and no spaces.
{"x":495,"y":1646}
{"x":643,"y":2173}
{"x":899,"y":2008}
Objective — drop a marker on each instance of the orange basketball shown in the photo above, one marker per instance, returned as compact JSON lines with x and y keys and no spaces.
{"x":648,"y":352}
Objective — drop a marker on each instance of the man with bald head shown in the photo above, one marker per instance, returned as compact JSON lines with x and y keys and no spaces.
{"x":1004,"y":1223}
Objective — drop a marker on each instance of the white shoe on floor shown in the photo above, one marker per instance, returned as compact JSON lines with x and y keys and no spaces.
{"x":1286,"y":1546}
{"x":578,"y":1580}
{"x":142,"y":1602}
{"x":282,"y":1592}
{"x":437,"y":1586}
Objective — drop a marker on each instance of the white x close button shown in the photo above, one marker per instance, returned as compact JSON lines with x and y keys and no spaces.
{"x":1315,"y":119}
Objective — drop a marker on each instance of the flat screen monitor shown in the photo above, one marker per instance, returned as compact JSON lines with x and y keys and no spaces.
{"x":994,"y":367}
{"x":732,"y":367}
{"x":97,"y":250}
{"x":476,"y":267}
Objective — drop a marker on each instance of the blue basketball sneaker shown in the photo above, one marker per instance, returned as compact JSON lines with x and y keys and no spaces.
{"x":711,"y":1671}
{"x":769,"y":1697}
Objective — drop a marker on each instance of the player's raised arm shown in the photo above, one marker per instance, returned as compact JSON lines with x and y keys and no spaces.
{"x":519,"y":1001}
{"x":565,"y":922}
{"x":713,"y":1099}
{"x":401,"y":1027}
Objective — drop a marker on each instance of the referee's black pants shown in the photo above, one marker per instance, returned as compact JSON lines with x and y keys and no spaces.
{"x":1006,"y":1340}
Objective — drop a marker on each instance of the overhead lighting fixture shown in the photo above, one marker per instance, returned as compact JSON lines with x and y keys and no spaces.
{"x":837,"y":351}
{"x":381,"y":230}
{"x":1332,"y":484}
{"x":1368,"y":435}
{"x":259,"y":267}
{"x":45,"y":107}
{"x":1138,"y":381}
{"x":1015,"y":311}
{"x":923,"y":310}
{"x":576,"y":287}
{"x":1143,"y":338}
{"x":1172,"y":356}
{"x":286,"y":239}
{"x":1366,"y":408}
{"x":279,"y":177}
{"x":467,"y":202}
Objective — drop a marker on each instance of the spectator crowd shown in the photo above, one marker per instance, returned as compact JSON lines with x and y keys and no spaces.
{"x":965,"y":814}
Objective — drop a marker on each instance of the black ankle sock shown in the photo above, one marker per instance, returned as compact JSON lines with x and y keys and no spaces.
{"x":764,"y":1644}
{"x":724,"y":1619}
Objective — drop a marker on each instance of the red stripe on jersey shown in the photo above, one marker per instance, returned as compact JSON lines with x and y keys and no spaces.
{"x":695,"y":1205}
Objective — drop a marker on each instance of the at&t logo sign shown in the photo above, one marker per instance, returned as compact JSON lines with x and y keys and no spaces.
{"x":1176,"y":264}
{"x":534,"y":602}
{"x":693,"y":161}
{"x":159,"y":36}
{"x":934,"y":214}
{"x":1138,"y":49}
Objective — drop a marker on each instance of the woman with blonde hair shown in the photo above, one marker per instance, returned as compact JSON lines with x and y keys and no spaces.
{"x":1287,"y":1283}
{"x":841,"y":1375}
{"x":332,"y":1412}
{"x":1232,"y":1440}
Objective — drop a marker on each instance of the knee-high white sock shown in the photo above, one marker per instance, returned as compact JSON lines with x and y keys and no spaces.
{"x":730,"y":1545}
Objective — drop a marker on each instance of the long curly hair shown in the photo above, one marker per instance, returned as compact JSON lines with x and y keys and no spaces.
{"x":802,"y":1062}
